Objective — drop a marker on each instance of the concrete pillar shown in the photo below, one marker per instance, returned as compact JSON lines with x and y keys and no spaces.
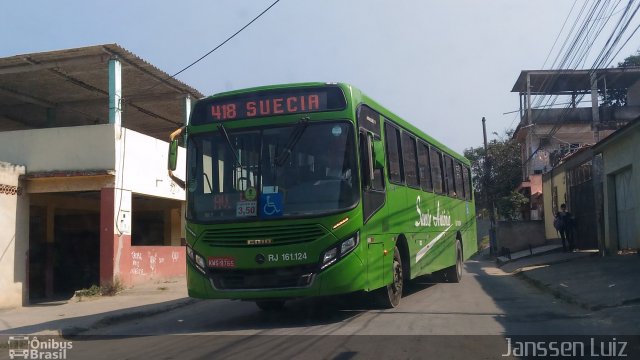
{"x":49,"y":251}
{"x":115,"y":91}
{"x":595,"y":110}
{"x":115,"y":235}
{"x":529,"y":120}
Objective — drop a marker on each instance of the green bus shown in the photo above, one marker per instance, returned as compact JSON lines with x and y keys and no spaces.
{"x":314,"y":189}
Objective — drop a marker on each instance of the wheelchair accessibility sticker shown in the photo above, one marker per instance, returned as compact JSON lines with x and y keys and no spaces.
{"x":270,"y":205}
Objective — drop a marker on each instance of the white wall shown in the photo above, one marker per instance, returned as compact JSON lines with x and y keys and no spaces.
{"x":97,"y":147}
{"x":145,"y":166}
{"x":14,"y":225}
{"x":60,"y":149}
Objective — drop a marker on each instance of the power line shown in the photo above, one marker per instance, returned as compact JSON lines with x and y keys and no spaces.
{"x":227,"y":40}
{"x":577,"y":45}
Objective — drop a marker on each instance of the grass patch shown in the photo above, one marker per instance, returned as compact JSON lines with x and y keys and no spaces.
{"x":94,"y":291}
{"x":112,"y":288}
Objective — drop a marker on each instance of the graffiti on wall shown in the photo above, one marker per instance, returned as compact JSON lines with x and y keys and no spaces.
{"x":156,"y":261}
{"x":136,"y":263}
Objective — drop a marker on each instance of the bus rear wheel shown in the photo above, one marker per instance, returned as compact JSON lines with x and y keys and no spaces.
{"x":453,"y":274}
{"x":389,"y":296}
{"x":270,"y":305}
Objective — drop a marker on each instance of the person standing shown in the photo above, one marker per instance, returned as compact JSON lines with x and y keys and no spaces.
{"x":564,"y":224}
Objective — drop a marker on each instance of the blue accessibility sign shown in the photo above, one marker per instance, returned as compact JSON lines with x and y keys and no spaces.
{"x":270,"y":205}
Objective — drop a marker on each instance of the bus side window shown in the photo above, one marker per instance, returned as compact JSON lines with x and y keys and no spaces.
{"x":424,"y":166}
{"x":409,"y":160}
{"x":466,"y":179}
{"x":449,"y":172}
{"x":393,"y":153}
{"x":436,"y":171}
{"x":459,"y":183}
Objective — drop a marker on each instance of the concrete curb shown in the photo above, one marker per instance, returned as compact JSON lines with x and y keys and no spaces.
{"x":501,"y":262}
{"x":542,"y":263}
{"x":124,"y":316}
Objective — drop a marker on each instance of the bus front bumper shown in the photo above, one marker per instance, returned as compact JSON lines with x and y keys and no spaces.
{"x":345,"y":276}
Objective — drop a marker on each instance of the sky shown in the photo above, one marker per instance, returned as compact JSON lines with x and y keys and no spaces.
{"x":441,"y":65}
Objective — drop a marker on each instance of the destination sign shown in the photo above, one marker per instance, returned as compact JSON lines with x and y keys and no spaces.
{"x":270,"y":103}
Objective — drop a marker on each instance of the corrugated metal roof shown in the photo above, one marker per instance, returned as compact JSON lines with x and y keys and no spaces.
{"x":70,"y":88}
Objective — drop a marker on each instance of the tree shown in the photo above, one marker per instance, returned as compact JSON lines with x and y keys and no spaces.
{"x":503,"y":176}
{"x":618,"y":97}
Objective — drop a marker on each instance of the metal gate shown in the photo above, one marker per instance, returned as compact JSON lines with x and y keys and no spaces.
{"x":583,"y":208}
{"x":582,"y":205}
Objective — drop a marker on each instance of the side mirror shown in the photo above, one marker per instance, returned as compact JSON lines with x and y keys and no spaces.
{"x":173,"y":155}
{"x":172,"y":160}
{"x":378,"y":154}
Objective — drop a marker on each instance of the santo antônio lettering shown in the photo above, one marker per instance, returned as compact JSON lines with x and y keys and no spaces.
{"x":279,"y":105}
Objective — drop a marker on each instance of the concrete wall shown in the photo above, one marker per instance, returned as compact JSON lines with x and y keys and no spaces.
{"x":518,"y":235}
{"x":139,"y":161}
{"x":144,"y":162}
{"x":14,"y":236}
{"x":620,"y":155}
{"x":60,"y":149}
{"x":633,"y":94}
{"x":568,"y":133}
{"x":557,"y":179}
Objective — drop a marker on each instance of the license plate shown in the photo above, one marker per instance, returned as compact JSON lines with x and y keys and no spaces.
{"x":221,"y":262}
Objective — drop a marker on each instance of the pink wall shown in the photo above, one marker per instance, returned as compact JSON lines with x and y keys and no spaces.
{"x":145,"y":263}
{"x":133,"y":264}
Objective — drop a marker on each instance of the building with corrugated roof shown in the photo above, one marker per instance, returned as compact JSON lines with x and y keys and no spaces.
{"x":85,"y":194}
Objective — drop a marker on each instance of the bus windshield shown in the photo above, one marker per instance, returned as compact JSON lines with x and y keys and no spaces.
{"x":294,"y":170}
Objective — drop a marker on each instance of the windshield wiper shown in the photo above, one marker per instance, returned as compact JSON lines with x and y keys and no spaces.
{"x":222,"y":129}
{"x":295,"y":136}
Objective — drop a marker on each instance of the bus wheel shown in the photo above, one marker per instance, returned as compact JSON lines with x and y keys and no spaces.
{"x":270,"y":305}
{"x":389,"y":296}
{"x":453,"y":274}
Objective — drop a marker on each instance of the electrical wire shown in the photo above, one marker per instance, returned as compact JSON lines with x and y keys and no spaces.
{"x":227,"y":40}
{"x":585,"y":31}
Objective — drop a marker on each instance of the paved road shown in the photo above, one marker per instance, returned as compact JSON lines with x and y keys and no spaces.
{"x":487,"y":302}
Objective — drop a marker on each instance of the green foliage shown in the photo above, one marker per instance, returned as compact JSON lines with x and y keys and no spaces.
{"x":618,"y":97}
{"x":504,"y":174}
{"x":509,"y":206}
{"x":94,"y":290}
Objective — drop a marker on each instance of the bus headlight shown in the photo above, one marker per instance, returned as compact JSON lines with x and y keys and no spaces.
{"x":200,"y":261}
{"x":196,"y":260}
{"x":335,"y":253}
{"x":329,"y":257}
{"x":348,"y":244}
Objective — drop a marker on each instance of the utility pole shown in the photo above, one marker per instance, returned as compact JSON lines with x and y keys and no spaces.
{"x":489,"y":196}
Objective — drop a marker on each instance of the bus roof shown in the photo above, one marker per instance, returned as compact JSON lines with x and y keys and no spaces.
{"x":358,"y":97}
